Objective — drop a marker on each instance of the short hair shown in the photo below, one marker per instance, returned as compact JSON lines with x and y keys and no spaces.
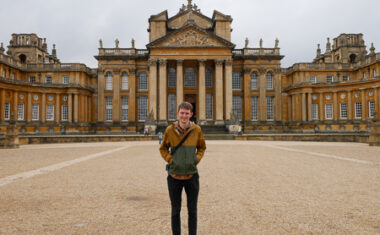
{"x":185,"y":105}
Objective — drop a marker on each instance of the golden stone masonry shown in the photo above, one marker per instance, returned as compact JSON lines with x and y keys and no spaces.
{"x":189,"y":57}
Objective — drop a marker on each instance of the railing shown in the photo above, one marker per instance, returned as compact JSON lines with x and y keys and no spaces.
{"x":122,"y":51}
{"x":256,"y":51}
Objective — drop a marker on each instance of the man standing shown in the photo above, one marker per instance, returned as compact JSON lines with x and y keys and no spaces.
{"x":183,"y":160}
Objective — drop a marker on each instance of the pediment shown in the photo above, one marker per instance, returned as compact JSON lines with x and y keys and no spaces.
{"x":180,"y":20}
{"x":191,"y":36}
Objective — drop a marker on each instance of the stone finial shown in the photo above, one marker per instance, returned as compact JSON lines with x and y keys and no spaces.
{"x":183,"y":8}
{"x":372,"y":49}
{"x":2,"y":49}
{"x":189,"y":5}
{"x":328,"y":46}
{"x":319,"y":50}
{"x":100,"y":43}
{"x":133,"y":43}
{"x":276,"y":42}
{"x":261,"y":43}
{"x":54,"y":51}
{"x":44,"y":45}
{"x":117,"y":43}
{"x":246,"y":43}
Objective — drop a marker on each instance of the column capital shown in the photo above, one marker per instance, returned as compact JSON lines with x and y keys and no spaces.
{"x":202,"y":62}
{"x":152,"y":62}
{"x":180,"y":62}
{"x":219,"y":62}
{"x":277,"y":70}
{"x":132,"y":70}
{"x":116,"y":70}
{"x":247,"y":70}
{"x":262,"y":70}
{"x":228,"y":62}
{"x":163,"y":62}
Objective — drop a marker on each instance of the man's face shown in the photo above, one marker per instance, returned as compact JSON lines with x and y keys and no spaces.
{"x":184,"y":116}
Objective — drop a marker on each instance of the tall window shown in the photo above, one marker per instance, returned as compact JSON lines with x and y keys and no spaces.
{"x":346,"y":78}
{"x":236,"y":106}
{"x":48,"y":80}
{"x":13,"y":76}
{"x":172,"y":100}
{"x":108,"y":108}
{"x":314,"y":111}
{"x":364,"y":75}
{"x":236,"y":81}
{"x":172,"y":77}
{"x":64,"y":112}
{"x":142,"y":108}
{"x":143,"y":81}
{"x":343,"y":110}
{"x":7,"y":111}
{"x":358,"y":110}
{"x":313,"y":79}
{"x":108,"y":81}
{"x":270,"y":108}
{"x":330,"y":78}
{"x":35,"y":112}
{"x":371,"y":107}
{"x":190,"y":78}
{"x":124,"y":108}
{"x":124,"y":81}
{"x":3,"y":73}
{"x":32,"y":79}
{"x":329,"y":111}
{"x":374,"y":73}
{"x":65,"y":80}
{"x":50,"y":112}
{"x":209,"y":106}
{"x":269,"y":81}
{"x":254,"y":107}
{"x":208,"y":78}
{"x":254,"y":81}
{"x":20,"y":111}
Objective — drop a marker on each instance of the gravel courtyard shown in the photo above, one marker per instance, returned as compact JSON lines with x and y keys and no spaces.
{"x":246,"y":187}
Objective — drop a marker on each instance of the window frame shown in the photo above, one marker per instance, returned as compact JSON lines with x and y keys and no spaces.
{"x":142,"y":83}
{"x":254,"y":81}
{"x":358,"y":110}
{"x":343,"y":111}
{"x":270,"y":82}
{"x":329,"y":115}
{"x":20,"y":111}
{"x":270,"y":108}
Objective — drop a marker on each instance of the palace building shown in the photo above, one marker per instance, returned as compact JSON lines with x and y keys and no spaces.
{"x":189,"y":57}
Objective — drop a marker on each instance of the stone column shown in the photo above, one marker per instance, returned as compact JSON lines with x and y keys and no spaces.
{"x":349,"y":105}
{"x":57,"y":107}
{"x":335,"y":105}
{"x":15,"y":100}
{"x":163,"y":91}
{"x":85,"y":108}
{"x":228,"y":89}
{"x":294,"y":104}
{"x":364,"y":104}
{"x":70,"y":106}
{"x":76,"y":108}
{"x":263,"y":96}
{"x":90,"y":109}
{"x":247,"y":94}
{"x":278,"y":95}
{"x":303,"y":107}
{"x":132,"y":95}
{"x":321,"y":107}
{"x":101,"y":98}
{"x":290,"y":108}
{"x":179,"y":88}
{"x":309,"y":107}
{"x":43,"y":108}
{"x":152,"y":89}
{"x":29,"y":109}
{"x":219,"y":92}
{"x":202,"y":91}
{"x":116,"y":96}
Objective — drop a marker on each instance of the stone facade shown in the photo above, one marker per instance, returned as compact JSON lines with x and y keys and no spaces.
{"x":189,"y":57}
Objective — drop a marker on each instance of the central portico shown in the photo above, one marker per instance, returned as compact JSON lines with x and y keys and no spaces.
{"x":191,"y":49}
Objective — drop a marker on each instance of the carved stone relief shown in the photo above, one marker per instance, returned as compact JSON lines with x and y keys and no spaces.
{"x":191,"y":38}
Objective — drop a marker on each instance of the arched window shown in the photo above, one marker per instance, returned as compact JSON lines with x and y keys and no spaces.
{"x":269,"y":80}
{"x":254,"y":81}
{"x":143,"y":81}
{"x":172,"y":78}
{"x":108,"y":81}
{"x":208,"y":78}
{"x":236,"y":81}
{"x":352,"y":58}
{"x":22,"y":58}
{"x":124,"y":81}
{"x":190,"y":78}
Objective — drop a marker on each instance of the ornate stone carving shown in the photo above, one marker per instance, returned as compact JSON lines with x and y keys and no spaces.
{"x":152,"y":62}
{"x":228,"y":62}
{"x":262,"y":70}
{"x":163,"y":62}
{"x":219,"y":62}
{"x":202,"y":62}
{"x":191,"y":38}
{"x":116,"y":70}
{"x":180,"y":62}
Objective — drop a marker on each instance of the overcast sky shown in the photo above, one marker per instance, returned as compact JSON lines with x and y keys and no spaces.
{"x":76,"y":26}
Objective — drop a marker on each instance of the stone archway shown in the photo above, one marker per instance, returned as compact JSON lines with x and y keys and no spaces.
{"x":22,"y":58}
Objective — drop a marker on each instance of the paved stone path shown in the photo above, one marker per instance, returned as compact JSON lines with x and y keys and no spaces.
{"x":247,"y":187}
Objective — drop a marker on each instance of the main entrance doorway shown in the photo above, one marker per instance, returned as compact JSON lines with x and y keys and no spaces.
{"x":192,"y":99}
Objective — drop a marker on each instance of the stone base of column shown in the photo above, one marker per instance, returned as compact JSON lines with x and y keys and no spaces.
{"x":219,"y":122}
{"x":202,"y":122}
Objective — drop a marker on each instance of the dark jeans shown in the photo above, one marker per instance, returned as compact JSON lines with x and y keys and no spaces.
{"x":175,"y":192}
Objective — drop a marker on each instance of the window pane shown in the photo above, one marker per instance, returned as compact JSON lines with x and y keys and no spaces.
{"x":329,"y":112}
{"x":343,"y":110}
{"x":48,"y":80}
{"x":358,"y":109}
{"x":172,"y":111}
{"x":371,"y":106}
{"x":108,"y":108}
{"x":269,"y":80}
{"x":65,"y":80}
{"x":172,"y":78}
{"x":65,"y":112}
{"x":190,"y":78}
{"x":270,"y":109}
{"x":313,"y":79}
{"x":208,"y":78}
{"x":254,"y":81}
{"x":236,"y":106}
{"x":124,"y":108}
{"x":254,"y":107}
{"x":20,"y":111}
{"x":108,"y":81}
{"x":124,"y":81}
{"x":7,"y":111}
{"x":142,"y":108}
{"x":236,"y":80}
{"x":35,"y":112}
{"x":209,"y":106}
{"x":50,"y":112}
{"x":143,"y":81}
{"x":315,"y":111}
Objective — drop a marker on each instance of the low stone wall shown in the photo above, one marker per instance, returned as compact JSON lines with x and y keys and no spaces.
{"x":374,"y":136}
